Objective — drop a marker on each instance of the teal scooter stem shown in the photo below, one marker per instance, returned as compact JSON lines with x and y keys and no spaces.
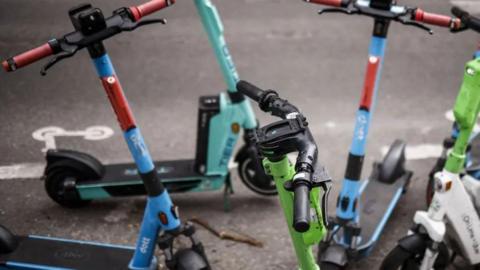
{"x":73,"y":178}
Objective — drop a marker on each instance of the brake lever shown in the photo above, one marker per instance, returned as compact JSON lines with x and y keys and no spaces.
{"x":338,"y":10}
{"x":416,"y":24}
{"x":131,"y":27}
{"x":57,"y":59}
{"x":323,"y":180}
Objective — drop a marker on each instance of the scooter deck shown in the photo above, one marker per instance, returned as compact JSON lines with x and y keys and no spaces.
{"x":42,"y":253}
{"x":377,"y":203}
{"x":123,"y":179}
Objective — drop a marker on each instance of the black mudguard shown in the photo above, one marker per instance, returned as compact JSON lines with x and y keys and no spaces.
{"x":417,"y":243}
{"x":414,"y":243}
{"x":89,"y":166}
{"x":8,"y":241}
{"x":335,"y":254}
{"x":393,"y":165}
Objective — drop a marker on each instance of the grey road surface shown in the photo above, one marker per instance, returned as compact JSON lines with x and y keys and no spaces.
{"x":317,"y":62}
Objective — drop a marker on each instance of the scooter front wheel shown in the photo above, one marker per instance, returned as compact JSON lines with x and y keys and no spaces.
{"x":252,"y":174}
{"x":329,"y":266}
{"x":401,"y":259}
{"x":189,"y":259}
{"x":60,"y":187}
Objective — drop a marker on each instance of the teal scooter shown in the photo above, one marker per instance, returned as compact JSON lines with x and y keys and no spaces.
{"x":73,"y":178}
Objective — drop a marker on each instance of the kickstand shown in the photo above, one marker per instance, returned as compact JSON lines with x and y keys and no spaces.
{"x":227,"y":206}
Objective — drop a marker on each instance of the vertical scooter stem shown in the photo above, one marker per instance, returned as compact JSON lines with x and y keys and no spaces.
{"x":214,"y":28}
{"x":160,"y":214}
{"x":455,"y":129}
{"x":282,"y":170}
{"x":466,"y":112}
{"x":215,"y":32}
{"x":351,"y":186}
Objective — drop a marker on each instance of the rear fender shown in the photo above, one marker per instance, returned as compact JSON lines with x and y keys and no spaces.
{"x":89,"y":166}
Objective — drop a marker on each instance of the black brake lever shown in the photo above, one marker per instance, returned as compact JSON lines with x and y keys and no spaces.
{"x":131,"y":27}
{"x":57,"y":59}
{"x":414,"y":23}
{"x":338,"y":10}
{"x":327,"y":186}
{"x":322,"y":179}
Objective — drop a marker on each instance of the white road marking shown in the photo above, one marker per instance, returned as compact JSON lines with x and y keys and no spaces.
{"x":421,"y":151}
{"x":330,"y":124}
{"x":451,"y":117}
{"x":48,"y":134}
{"x":21,"y":171}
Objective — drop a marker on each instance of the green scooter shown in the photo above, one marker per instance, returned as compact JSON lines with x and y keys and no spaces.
{"x":302,"y":188}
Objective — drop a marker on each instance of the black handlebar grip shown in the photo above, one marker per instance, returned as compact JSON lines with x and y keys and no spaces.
{"x":250,"y":90}
{"x":460,"y":13}
{"x":470,"y":21}
{"x":301,"y":208}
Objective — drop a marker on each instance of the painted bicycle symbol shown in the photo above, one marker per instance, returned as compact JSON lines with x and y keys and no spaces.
{"x":49,"y":134}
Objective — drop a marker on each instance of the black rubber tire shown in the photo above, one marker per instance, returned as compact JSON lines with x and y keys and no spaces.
{"x":188,"y":259}
{"x":329,"y":266}
{"x":54,"y":185}
{"x":252,"y":174}
{"x":430,"y":190}
{"x":439,"y":164}
{"x":8,"y":241}
{"x":401,"y":259}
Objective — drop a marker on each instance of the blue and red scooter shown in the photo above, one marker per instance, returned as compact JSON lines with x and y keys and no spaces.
{"x":161,"y":224}
{"x":364,"y":207}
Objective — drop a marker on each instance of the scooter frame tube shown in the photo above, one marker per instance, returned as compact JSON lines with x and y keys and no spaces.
{"x":160,"y":213}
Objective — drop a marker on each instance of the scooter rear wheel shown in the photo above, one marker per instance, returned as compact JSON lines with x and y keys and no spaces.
{"x":252,"y":174}
{"x":59,"y":189}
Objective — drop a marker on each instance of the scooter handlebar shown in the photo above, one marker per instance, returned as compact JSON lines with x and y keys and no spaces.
{"x":148,"y":8}
{"x":27,"y":57}
{"x":436,"y":19}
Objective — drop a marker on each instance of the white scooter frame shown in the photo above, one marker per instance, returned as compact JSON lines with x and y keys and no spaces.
{"x":452,"y":204}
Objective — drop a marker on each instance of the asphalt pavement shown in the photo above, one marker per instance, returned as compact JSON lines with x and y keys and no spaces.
{"x":317,"y":62}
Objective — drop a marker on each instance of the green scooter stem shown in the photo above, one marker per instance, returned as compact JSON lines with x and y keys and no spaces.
{"x":467,"y":107}
{"x":283,"y":171}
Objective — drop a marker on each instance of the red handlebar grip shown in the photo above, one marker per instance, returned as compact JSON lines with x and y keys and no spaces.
{"x":27,"y":57}
{"x":334,"y":3}
{"x":435,"y":19}
{"x":149,"y":8}
{"x":5,"y":66}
